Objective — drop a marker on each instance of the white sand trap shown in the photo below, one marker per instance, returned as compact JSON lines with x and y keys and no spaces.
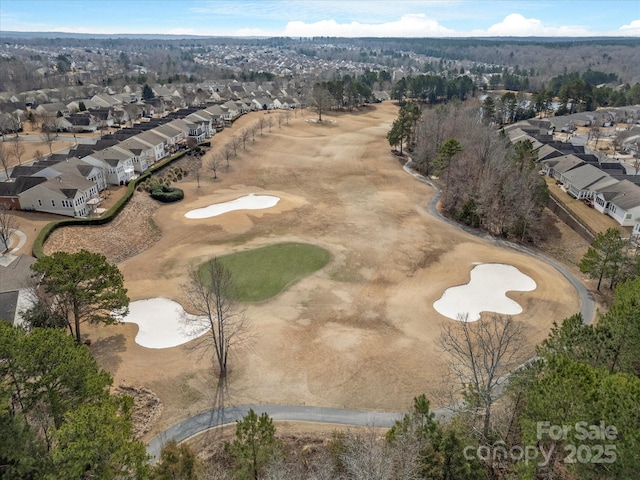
{"x":161,"y":323}
{"x":485,"y":292}
{"x":248,"y":202}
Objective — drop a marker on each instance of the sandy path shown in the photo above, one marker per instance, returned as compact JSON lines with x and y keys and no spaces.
{"x":361,"y":333}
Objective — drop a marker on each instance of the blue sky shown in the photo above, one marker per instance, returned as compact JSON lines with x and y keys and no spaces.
{"x":347,"y":18}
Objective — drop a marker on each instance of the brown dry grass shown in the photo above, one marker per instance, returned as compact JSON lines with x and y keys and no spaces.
{"x":362,"y":332}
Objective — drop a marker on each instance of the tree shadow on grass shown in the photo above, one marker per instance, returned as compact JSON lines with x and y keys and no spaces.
{"x":107,"y":351}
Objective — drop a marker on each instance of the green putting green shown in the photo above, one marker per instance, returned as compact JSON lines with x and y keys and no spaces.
{"x":262,"y":273}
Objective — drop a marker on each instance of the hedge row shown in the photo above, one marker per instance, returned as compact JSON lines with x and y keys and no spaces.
{"x":38,"y":244}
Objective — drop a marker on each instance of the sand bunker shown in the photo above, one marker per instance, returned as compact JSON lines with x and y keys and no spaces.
{"x":485,"y":292}
{"x":248,"y":202}
{"x":161,"y":323}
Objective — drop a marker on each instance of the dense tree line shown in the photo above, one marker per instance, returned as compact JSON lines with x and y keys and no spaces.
{"x":433,"y":88}
{"x":487,"y":183}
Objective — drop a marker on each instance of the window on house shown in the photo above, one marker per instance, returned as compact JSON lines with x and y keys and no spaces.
{"x":39,"y":202}
{"x":53,"y":203}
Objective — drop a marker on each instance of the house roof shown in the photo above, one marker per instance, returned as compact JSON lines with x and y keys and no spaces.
{"x":624,"y":194}
{"x":111,"y":154}
{"x":17,"y":274}
{"x":26,"y":170}
{"x":585,"y":176}
{"x":566,"y":163}
{"x":546,"y":152}
{"x":22,"y":184}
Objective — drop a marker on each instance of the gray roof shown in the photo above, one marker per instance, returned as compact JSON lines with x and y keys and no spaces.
{"x":624,"y":194}
{"x":566,"y":163}
{"x":585,"y":176}
{"x":17,"y":274}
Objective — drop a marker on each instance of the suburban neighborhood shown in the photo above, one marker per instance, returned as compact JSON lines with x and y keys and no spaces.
{"x":308,"y":256}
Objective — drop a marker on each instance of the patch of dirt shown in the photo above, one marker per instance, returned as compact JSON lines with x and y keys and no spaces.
{"x":147,"y":408}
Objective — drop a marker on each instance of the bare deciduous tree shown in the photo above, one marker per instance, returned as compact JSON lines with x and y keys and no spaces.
{"x":38,"y":155}
{"x":280,"y":120}
{"x":262,"y":123}
{"x":49,"y":134}
{"x":270,"y":123}
{"x":235,"y":144}
{"x":4,"y":158}
{"x":366,"y":457}
{"x":321,"y":99}
{"x":8,"y":223}
{"x":214,"y":164}
{"x":244,"y":136}
{"x":227,"y":152}
{"x":17,"y":149}
{"x":210,"y":298}
{"x":253,"y":129}
{"x":14,"y":123}
{"x":481,"y":356}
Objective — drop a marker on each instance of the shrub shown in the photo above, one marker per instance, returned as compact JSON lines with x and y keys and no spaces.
{"x":166,"y":194}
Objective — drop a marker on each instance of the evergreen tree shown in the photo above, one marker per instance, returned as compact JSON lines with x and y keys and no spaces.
{"x":147,"y":93}
{"x":255,"y":445}
{"x":604,"y":257}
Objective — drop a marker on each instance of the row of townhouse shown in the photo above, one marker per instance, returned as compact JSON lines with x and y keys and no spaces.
{"x":102,"y":110}
{"x":604,"y":185}
{"x":70,"y":184}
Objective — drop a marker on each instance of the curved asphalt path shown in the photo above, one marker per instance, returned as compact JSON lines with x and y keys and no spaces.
{"x":222,"y":416}
{"x":302,"y":413}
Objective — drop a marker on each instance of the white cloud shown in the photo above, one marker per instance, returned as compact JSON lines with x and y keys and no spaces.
{"x":411,"y":25}
{"x":516,"y":25}
{"x":633,"y":29}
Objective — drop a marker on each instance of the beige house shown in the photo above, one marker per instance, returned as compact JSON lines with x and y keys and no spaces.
{"x":115,"y":162}
{"x":155,"y":141}
{"x":64,"y":194}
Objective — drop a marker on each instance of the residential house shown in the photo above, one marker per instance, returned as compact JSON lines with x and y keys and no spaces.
{"x":9,"y":191}
{"x":63,"y":194}
{"x":105,"y":101}
{"x":78,"y":123}
{"x":583,"y":181}
{"x":621,"y":201}
{"x":217,"y":116}
{"x":173,"y":134}
{"x":15,"y":287}
{"x":155,"y":141}
{"x":559,"y":165}
{"x":204,"y":120}
{"x":116,"y":163}
{"x":77,"y":166}
{"x":547,"y":152}
{"x":263,"y":103}
{"x":74,"y":105}
{"x":232,"y":110}
{"x":143,"y":153}
{"x":103,"y":117}
{"x":52,"y":110}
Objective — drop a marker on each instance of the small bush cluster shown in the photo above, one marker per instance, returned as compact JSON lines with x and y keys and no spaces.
{"x":166,"y":194}
{"x":171,"y":175}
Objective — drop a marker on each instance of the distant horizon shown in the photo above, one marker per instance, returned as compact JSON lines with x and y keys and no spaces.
{"x":326,"y":18}
{"x":53,"y":34}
